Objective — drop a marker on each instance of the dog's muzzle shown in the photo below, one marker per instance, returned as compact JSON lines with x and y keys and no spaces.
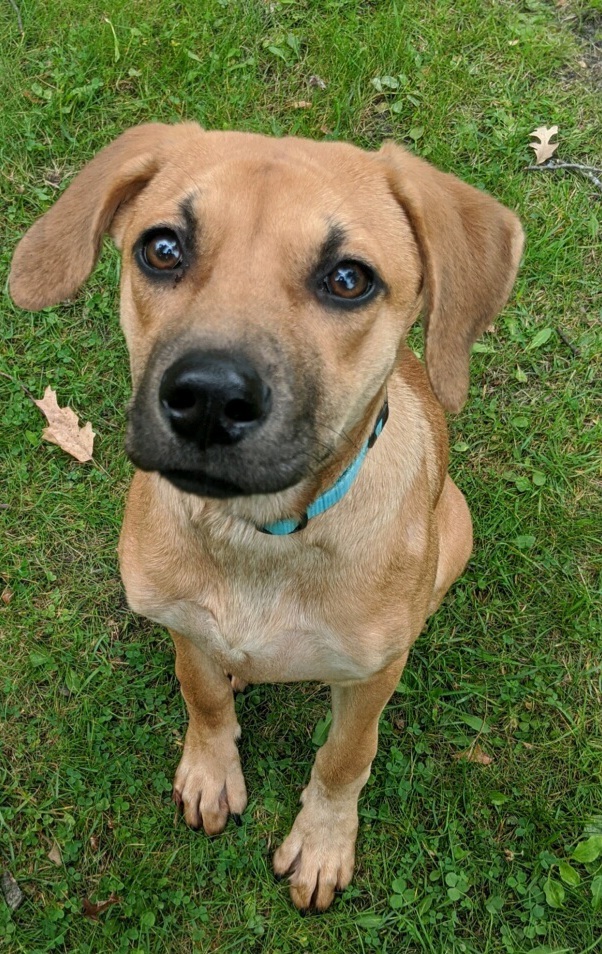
{"x":222,"y":423}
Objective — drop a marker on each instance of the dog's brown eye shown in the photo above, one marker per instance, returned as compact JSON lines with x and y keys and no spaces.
{"x":163,"y":251}
{"x":348,"y":280}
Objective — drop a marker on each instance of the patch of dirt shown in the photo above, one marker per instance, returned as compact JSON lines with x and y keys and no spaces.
{"x":587,"y":25}
{"x":591,"y":32}
{"x":372,"y":125}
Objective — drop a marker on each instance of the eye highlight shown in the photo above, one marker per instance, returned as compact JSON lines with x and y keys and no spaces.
{"x":349,"y":281}
{"x":162,"y":251}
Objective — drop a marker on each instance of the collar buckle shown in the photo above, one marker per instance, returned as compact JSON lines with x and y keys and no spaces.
{"x":381,"y":420}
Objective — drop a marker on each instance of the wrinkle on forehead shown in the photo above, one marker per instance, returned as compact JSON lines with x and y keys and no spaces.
{"x":259,"y":200}
{"x":267,"y":192}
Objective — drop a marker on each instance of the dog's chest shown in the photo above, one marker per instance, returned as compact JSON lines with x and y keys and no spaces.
{"x":265,"y":622}
{"x":267,"y":646}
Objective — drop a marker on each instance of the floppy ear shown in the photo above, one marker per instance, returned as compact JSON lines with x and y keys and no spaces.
{"x":60,"y":250}
{"x":470,"y":247}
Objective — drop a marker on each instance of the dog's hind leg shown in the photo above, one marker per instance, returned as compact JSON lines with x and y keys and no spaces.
{"x":318,"y":855}
{"x":209,"y":783}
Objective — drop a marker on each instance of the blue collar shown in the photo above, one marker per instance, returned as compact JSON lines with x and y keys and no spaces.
{"x":335,"y":493}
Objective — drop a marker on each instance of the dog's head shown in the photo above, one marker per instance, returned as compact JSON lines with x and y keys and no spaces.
{"x":267,"y":287}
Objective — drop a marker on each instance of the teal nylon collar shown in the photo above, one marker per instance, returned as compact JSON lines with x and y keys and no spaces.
{"x":335,"y":493}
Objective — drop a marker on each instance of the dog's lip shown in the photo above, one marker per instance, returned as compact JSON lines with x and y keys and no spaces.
{"x":199,"y":483}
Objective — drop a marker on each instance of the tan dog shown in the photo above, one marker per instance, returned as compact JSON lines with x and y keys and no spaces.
{"x":267,"y":290}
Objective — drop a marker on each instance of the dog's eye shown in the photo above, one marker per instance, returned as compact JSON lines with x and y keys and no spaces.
{"x":162,"y":251}
{"x":349,"y":280}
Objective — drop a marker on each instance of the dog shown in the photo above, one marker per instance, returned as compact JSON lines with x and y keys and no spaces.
{"x":278,"y":523}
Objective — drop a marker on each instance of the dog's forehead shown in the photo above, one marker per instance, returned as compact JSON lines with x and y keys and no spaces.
{"x":222,"y":150}
{"x":257,"y":184}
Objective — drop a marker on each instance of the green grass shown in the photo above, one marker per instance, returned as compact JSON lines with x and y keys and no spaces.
{"x":452,"y":857}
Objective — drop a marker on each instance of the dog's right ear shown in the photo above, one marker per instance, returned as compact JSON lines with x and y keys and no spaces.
{"x":60,"y":250}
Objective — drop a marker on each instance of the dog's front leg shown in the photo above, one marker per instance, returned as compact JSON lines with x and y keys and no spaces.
{"x":318,"y":855}
{"x":209,"y":783}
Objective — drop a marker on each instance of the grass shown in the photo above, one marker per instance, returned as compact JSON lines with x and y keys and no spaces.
{"x":453,"y":856}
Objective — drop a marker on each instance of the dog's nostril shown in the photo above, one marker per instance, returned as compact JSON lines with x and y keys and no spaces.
{"x":180,"y":399}
{"x":241,"y":411}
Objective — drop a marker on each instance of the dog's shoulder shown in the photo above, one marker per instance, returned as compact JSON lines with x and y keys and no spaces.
{"x":412,"y":373}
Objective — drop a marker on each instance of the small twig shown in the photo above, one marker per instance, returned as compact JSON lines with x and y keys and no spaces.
{"x":18,"y":383}
{"x":568,"y":343}
{"x":19,"y":20}
{"x":587,"y":171}
{"x":552,"y":164}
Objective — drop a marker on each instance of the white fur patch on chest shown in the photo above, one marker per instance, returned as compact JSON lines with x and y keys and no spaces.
{"x":270,"y":644}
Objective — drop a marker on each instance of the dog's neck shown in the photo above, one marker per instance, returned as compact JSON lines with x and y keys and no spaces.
{"x":336,"y":491}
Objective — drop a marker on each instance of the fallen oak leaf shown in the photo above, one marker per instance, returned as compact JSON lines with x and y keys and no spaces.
{"x":474,"y":754}
{"x":54,"y":855}
{"x":543,"y":149}
{"x":64,"y":428}
{"x":92,"y":909}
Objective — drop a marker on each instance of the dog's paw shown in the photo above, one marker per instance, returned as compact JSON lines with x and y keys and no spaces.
{"x":319,"y":854}
{"x":209,"y":784}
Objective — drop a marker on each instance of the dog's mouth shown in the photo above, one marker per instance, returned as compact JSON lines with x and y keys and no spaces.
{"x":193,"y":482}
{"x":225,"y":473}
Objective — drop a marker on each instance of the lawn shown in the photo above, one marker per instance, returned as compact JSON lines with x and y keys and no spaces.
{"x":453,"y":855}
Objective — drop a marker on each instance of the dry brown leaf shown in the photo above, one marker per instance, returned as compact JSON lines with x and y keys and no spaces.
{"x":64,"y":428}
{"x":54,"y":855}
{"x":544,"y":148}
{"x":7,"y":595}
{"x":474,"y":754}
{"x":92,"y":909}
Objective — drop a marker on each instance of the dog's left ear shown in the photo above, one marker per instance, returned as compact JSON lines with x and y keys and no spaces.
{"x":470,"y":246}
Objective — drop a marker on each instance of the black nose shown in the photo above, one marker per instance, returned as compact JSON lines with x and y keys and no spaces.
{"x":213,"y":397}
